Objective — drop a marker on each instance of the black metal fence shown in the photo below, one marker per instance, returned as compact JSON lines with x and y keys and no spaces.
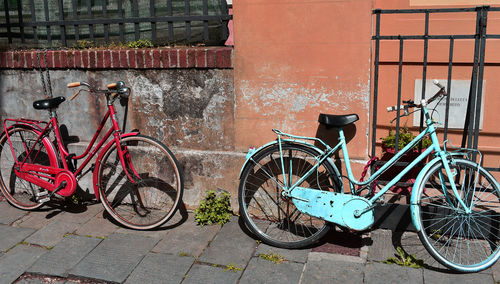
{"x":470,"y":132}
{"x":62,"y":23}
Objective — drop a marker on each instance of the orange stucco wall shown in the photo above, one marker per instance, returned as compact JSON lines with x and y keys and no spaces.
{"x":295,"y":59}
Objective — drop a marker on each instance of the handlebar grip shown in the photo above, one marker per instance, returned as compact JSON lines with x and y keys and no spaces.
{"x":111,"y":86}
{"x":394,"y":108}
{"x":74,"y":95}
{"x":74,"y":84}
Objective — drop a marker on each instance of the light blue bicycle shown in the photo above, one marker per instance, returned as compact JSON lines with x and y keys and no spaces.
{"x":290,"y":193}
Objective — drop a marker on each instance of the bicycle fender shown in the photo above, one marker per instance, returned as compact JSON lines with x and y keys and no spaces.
{"x":46,"y":142}
{"x":98,"y":162}
{"x":252,"y":153}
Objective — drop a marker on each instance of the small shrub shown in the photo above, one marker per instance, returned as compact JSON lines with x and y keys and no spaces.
{"x":405,"y":137}
{"x":274,"y":257}
{"x":214,"y":209}
{"x":84,"y":44}
{"x":404,"y":259}
{"x":141,"y":43}
{"x":232,"y":267}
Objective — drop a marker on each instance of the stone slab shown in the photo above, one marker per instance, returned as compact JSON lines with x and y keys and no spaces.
{"x":436,"y":277}
{"x":211,"y":275}
{"x":264,"y":271}
{"x":382,"y":246}
{"x":17,"y":260}
{"x":10,"y":236}
{"x":230,"y":245}
{"x":114,"y":258}
{"x":64,"y":256}
{"x":82,"y":214}
{"x":35,"y":220}
{"x":188,"y":238}
{"x":10,"y":213}
{"x":295,"y":255}
{"x":386,"y":273}
{"x":97,"y":227}
{"x":51,"y":234}
{"x":161,"y":268}
{"x":328,"y":271}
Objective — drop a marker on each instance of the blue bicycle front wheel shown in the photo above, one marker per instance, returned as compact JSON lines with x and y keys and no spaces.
{"x":460,"y":240}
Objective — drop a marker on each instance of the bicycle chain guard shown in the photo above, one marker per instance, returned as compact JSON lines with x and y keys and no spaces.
{"x":341,"y":209}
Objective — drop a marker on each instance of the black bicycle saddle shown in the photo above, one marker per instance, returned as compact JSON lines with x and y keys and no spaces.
{"x":330,"y":120}
{"x":48,"y":103}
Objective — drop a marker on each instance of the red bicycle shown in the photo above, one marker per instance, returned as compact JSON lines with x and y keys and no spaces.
{"x":136,"y":177}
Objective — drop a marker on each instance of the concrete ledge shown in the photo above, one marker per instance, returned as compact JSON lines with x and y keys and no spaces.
{"x":219,"y":57}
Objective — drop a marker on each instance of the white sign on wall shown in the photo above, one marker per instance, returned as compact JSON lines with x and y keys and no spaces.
{"x":458,"y":102}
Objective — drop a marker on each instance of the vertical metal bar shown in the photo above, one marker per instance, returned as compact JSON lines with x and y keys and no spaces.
{"x":105,"y":16}
{"x":224,"y":11}
{"x":7,"y":19}
{"x":89,"y":14}
{"x":484,"y":19}
{"x":121,"y":24}
{"x":375,"y":81}
{"x":170,"y":24}
{"x":47,"y":18}
{"x":448,"y":88}
{"x":135,"y":5}
{"x":187,"y":12}
{"x":33,"y":19}
{"x":60,"y":3}
{"x":74,"y":4}
{"x":20,"y":19}
{"x":153,"y":24}
{"x":467,"y":133}
{"x":424,"y":69}
{"x":205,"y":22}
{"x":400,"y":79}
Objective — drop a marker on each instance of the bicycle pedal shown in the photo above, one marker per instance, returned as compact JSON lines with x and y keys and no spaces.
{"x":42,"y":197}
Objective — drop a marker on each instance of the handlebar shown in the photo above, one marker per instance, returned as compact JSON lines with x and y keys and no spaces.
{"x":410,"y":104}
{"x":113,"y":89}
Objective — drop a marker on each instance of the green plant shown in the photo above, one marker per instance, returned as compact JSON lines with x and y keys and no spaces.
{"x":214,"y":209}
{"x":84,"y":44}
{"x":405,"y":137}
{"x":232,"y":267}
{"x":141,"y":43}
{"x":404,"y":259}
{"x":184,"y":254}
{"x":274,"y":257}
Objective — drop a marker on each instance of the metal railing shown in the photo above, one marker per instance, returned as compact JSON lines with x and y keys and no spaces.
{"x":55,"y":23}
{"x":470,"y":132}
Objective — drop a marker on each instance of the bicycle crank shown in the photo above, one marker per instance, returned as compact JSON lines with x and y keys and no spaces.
{"x":351,"y":211}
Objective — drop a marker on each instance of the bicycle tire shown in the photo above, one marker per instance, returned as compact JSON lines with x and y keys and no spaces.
{"x":465,"y":242}
{"x":156,"y":196}
{"x":18,"y":192}
{"x":281,"y":224}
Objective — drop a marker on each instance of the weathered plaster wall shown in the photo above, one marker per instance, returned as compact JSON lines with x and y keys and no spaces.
{"x":296,"y":59}
{"x":189,"y":110}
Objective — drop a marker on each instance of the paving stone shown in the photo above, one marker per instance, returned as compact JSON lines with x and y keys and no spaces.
{"x":210,"y":275}
{"x":321,"y":256}
{"x":495,"y":270}
{"x":296,"y":255}
{"x":161,"y":268}
{"x":264,"y":271}
{"x":87,"y":213}
{"x":35,"y":220}
{"x":10,"y":213}
{"x":114,"y":258}
{"x":10,"y":236}
{"x":64,"y":256}
{"x":411,"y":244}
{"x":14,"y":262}
{"x":382,"y":247}
{"x":431,"y":277}
{"x":328,"y":271}
{"x":386,"y":273}
{"x":40,"y":280}
{"x":156,"y":233}
{"x":97,"y":227}
{"x":51,"y":234}
{"x":230,"y":245}
{"x":188,"y":238}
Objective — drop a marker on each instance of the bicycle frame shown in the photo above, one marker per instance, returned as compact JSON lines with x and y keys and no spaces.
{"x":435,"y":147}
{"x":34,"y":173}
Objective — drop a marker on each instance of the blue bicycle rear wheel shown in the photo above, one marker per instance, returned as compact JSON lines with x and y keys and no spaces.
{"x":465,"y":242}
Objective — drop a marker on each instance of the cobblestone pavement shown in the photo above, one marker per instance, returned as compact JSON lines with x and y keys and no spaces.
{"x":80,"y":245}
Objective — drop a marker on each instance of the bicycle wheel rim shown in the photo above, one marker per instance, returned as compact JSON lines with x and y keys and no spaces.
{"x":258,"y":192}
{"x":460,"y":241}
{"x":18,"y":192}
{"x":154,"y":199}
